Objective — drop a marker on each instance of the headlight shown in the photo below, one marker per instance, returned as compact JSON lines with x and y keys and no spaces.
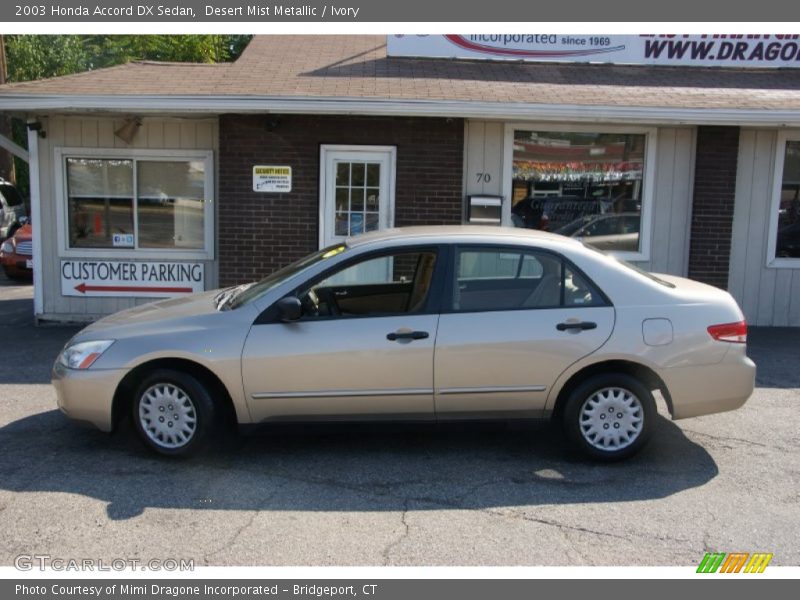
{"x":82,"y":355}
{"x":7,"y":247}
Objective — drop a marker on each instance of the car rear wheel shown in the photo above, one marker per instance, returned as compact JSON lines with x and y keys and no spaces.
{"x":173,"y":412}
{"x":609,"y":417}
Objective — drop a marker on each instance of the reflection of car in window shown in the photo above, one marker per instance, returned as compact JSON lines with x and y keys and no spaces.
{"x":788,"y":245}
{"x":550,"y":213}
{"x":16,"y":253}
{"x":607,"y":231}
{"x":12,"y":209}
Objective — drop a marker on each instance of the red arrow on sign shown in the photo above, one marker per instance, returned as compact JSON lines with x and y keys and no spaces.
{"x":83,"y":288}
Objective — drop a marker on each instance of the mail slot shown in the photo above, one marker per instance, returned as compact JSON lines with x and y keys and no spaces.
{"x":484,"y":210}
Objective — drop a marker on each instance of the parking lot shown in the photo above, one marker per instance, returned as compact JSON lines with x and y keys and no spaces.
{"x":395,"y":495}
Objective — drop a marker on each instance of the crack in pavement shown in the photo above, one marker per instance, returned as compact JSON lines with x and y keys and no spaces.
{"x":406,"y":530}
{"x":585,"y":559}
{"x":458,"y":504}
{"x":255,"y":512}
{"x":723,"y":438}
{"x":561,"y":526}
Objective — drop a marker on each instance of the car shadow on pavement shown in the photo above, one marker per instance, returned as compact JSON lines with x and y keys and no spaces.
{"x":344,"y":468}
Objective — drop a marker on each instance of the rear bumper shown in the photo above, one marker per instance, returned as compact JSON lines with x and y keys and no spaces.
{"x":707,"y":389}
{"x":88,"y":395}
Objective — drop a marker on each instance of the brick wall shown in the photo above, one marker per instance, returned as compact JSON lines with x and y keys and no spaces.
{"x":712,"y":208}
{"x":258,"y":233}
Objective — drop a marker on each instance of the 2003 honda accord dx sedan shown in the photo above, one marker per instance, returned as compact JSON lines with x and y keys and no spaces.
{"x":433,"y":323}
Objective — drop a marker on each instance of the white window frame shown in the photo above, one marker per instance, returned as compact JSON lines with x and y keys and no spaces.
{"x":60,"y":154}
{"x":326,"y":149}
{"x":648,"y":175}
{"x":774,"y":262}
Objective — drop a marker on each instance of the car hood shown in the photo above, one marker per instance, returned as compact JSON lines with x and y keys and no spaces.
{"x":24,"y":234}
{"x":154,"y":313}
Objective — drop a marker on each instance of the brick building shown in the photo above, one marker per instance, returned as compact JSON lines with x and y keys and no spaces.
{"x":154,"y":179}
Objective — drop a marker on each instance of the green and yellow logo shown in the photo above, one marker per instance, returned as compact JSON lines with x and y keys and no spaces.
{"x":734,"y":562}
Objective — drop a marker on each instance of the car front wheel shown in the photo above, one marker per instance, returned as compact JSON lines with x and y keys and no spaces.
{"x":173,"y":412}
{"x":610,"y":416}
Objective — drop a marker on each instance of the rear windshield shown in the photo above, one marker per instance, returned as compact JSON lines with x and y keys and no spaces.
{"x":631,"y":266}
{"x":11,"y":194}
{"x":643,"y":272}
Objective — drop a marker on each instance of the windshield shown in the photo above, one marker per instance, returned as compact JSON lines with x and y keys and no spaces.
{"x":243,"y":294}
{"x":11,"y":195}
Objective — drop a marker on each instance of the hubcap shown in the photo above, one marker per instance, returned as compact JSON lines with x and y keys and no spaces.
{"x":611,"y":419}
{"x":167,"y":415}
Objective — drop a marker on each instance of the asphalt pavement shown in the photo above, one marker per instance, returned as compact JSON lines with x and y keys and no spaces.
{"x":395,"y":495}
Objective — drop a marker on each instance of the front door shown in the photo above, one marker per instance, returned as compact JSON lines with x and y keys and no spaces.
{"x":356,"y":191}
{"x":363,"y":348}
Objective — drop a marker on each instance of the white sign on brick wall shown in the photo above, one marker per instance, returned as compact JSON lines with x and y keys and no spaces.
{"x":271,"y":178}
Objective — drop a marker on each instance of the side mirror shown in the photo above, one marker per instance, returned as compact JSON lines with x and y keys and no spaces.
{"x":290,"y":309}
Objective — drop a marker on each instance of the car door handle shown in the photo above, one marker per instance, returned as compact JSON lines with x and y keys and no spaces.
{"x":406,"y":335}
{"x":582,"y":325}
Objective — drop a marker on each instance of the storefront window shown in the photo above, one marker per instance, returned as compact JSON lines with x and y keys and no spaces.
{"x":787,"y":241}
{"x":579,"y":184}
{"x":170,"y":204}
{"x":136,"y":203}
{"x":100,"y":201}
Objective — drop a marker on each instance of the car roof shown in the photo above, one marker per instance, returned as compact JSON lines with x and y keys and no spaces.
{"x":453,"y":233}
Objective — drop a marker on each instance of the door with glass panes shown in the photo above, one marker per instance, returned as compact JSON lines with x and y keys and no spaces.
{"x":356,"y":191}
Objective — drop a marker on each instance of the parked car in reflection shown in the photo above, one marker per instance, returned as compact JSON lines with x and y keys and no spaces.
{"x":610,"y":231}
{"x":788,"y":243}
{"x":12,"y":209}
{"x":551,"y":212}
{"x":429,"y":323}
{"x":16,"y":253}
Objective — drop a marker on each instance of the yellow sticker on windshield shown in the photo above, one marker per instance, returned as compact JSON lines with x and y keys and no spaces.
{"x":333,"y":251}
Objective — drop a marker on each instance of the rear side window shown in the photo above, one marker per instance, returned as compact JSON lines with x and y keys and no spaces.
{"x":10,"y":194}
{"x":502,"y":279}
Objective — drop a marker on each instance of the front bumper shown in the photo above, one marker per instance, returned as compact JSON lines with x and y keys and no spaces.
{"x":17,"y":265}
{"x":87,"y":395}
{"x":707,"y":389}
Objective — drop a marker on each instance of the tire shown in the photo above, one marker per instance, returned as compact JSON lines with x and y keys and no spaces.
{"x":13,"y":276}
{"x":609,"y":417}
{"x":166,"y":393}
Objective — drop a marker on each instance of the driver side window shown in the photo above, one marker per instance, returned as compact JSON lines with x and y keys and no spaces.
{"x":391,"y":284}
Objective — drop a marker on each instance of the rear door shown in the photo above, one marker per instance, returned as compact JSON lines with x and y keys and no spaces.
{"x":513,"y":320}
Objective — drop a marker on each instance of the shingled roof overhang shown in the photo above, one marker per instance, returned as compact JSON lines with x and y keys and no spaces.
{"x":175,"y":104}
{"x":351,"y":74}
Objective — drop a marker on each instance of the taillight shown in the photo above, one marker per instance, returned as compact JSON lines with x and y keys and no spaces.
{"x":730,"y":332}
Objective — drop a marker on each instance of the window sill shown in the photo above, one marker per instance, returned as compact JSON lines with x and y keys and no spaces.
{"x":159,"y":255}
{"x":783,"y":263}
